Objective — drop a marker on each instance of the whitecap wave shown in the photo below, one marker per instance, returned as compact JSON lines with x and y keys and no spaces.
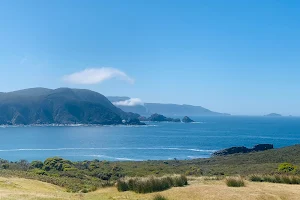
{"x":110,"y":157}
{"x":196,"y":157}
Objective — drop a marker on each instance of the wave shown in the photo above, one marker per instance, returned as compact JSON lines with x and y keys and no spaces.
{"x":110,"y":157}
{"x":104,"y":156}
{"x":196,"y":157}
{"x":273,"y":138}
{"x":122,"y":148}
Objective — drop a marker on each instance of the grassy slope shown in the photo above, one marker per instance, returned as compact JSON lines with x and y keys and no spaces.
{"x":17,"y":188}
{"x":244,"y":164}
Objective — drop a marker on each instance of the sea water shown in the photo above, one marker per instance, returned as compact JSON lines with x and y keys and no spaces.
{"x":155,"y":141}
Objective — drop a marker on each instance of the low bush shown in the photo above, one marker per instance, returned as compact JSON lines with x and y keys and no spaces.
{"x":179,"y":181}
{"x":255,"y":178}
{"x":235,"y":182}
{"x":151,"y":184}
{"x":36,"y":164}
{"x":287,"y":168}
{"x":159,"y":197}
{"x":39,"y":171}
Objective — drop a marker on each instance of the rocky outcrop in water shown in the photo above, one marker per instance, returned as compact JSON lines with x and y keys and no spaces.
{"x":160,"y":118}
{"x":133,"y":121}
{"x":242,"y":149}
{"x":186,"y":119}
{"x":143,"y":119}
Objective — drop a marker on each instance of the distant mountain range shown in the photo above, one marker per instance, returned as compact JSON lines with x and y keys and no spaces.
{"x":148,"y":109}
{"x":60,"y":106}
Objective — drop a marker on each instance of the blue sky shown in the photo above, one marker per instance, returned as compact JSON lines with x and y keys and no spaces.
{"x":240,"y":57}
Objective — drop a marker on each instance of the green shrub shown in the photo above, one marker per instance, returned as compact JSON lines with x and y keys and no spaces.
{"x":5,"y":166}
{"x":36,"y":164}
{"x":57,"y":163}
{"x":122,"y":186}
{"x":287,"y":167}
{"x":70,"y":169}
{"x":235,"y":182}
{"x":84,"y":190}
{"x":159,"y":197}
{"x":151,"y":184}
{"x":180,"y":181}
{"x":39,"y":171}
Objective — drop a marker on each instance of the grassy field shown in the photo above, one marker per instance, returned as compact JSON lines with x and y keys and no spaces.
{"x":199,"y":189}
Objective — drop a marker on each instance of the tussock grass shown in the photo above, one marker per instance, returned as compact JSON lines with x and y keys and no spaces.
{"x":235,"y":182}
{"x":151,"y":184}
{"x":286,"y":179}
{"x":159,"y":197}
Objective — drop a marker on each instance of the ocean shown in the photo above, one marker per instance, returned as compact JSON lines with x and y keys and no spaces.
{"x":155,"y":141}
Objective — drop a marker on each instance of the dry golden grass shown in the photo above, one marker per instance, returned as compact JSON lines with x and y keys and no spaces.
{"x":199,"y":189}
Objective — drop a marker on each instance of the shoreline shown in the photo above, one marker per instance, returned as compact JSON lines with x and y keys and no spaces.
{"x":113,"y":159}
{"x":73,"y":125}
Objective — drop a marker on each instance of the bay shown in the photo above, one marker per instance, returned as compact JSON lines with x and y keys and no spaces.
{"x":155,"y":141}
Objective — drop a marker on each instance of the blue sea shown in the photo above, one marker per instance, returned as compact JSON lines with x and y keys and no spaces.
{"x":155,"y":141}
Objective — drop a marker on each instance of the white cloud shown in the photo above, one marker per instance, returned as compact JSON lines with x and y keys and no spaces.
{"x":129,"y":102}
{"x":96,"y":75}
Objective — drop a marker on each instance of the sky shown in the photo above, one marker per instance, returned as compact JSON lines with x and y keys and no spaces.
{"x":240,"y":57}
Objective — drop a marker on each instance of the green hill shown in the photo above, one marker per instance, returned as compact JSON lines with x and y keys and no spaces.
{"x":59,"y":106}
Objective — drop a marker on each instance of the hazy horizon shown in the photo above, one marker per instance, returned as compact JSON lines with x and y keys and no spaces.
{"x":230,"y":57}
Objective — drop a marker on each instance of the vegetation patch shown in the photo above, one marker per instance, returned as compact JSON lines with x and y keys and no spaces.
{"x":287,"y":168}
{"x":279,"y":178}
{"x":151,"y":184}
{"x":85,"y":176}
{"x":159,"y":197}
{"x":235,"y":182}
{"x":287,"y":173}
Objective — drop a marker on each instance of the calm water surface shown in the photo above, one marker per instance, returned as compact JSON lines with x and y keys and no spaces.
{"x":156,"y":141}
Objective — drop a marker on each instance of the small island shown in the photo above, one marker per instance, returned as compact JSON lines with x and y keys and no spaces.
{"x":186,"y":119}
{"x":273,"y":115}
